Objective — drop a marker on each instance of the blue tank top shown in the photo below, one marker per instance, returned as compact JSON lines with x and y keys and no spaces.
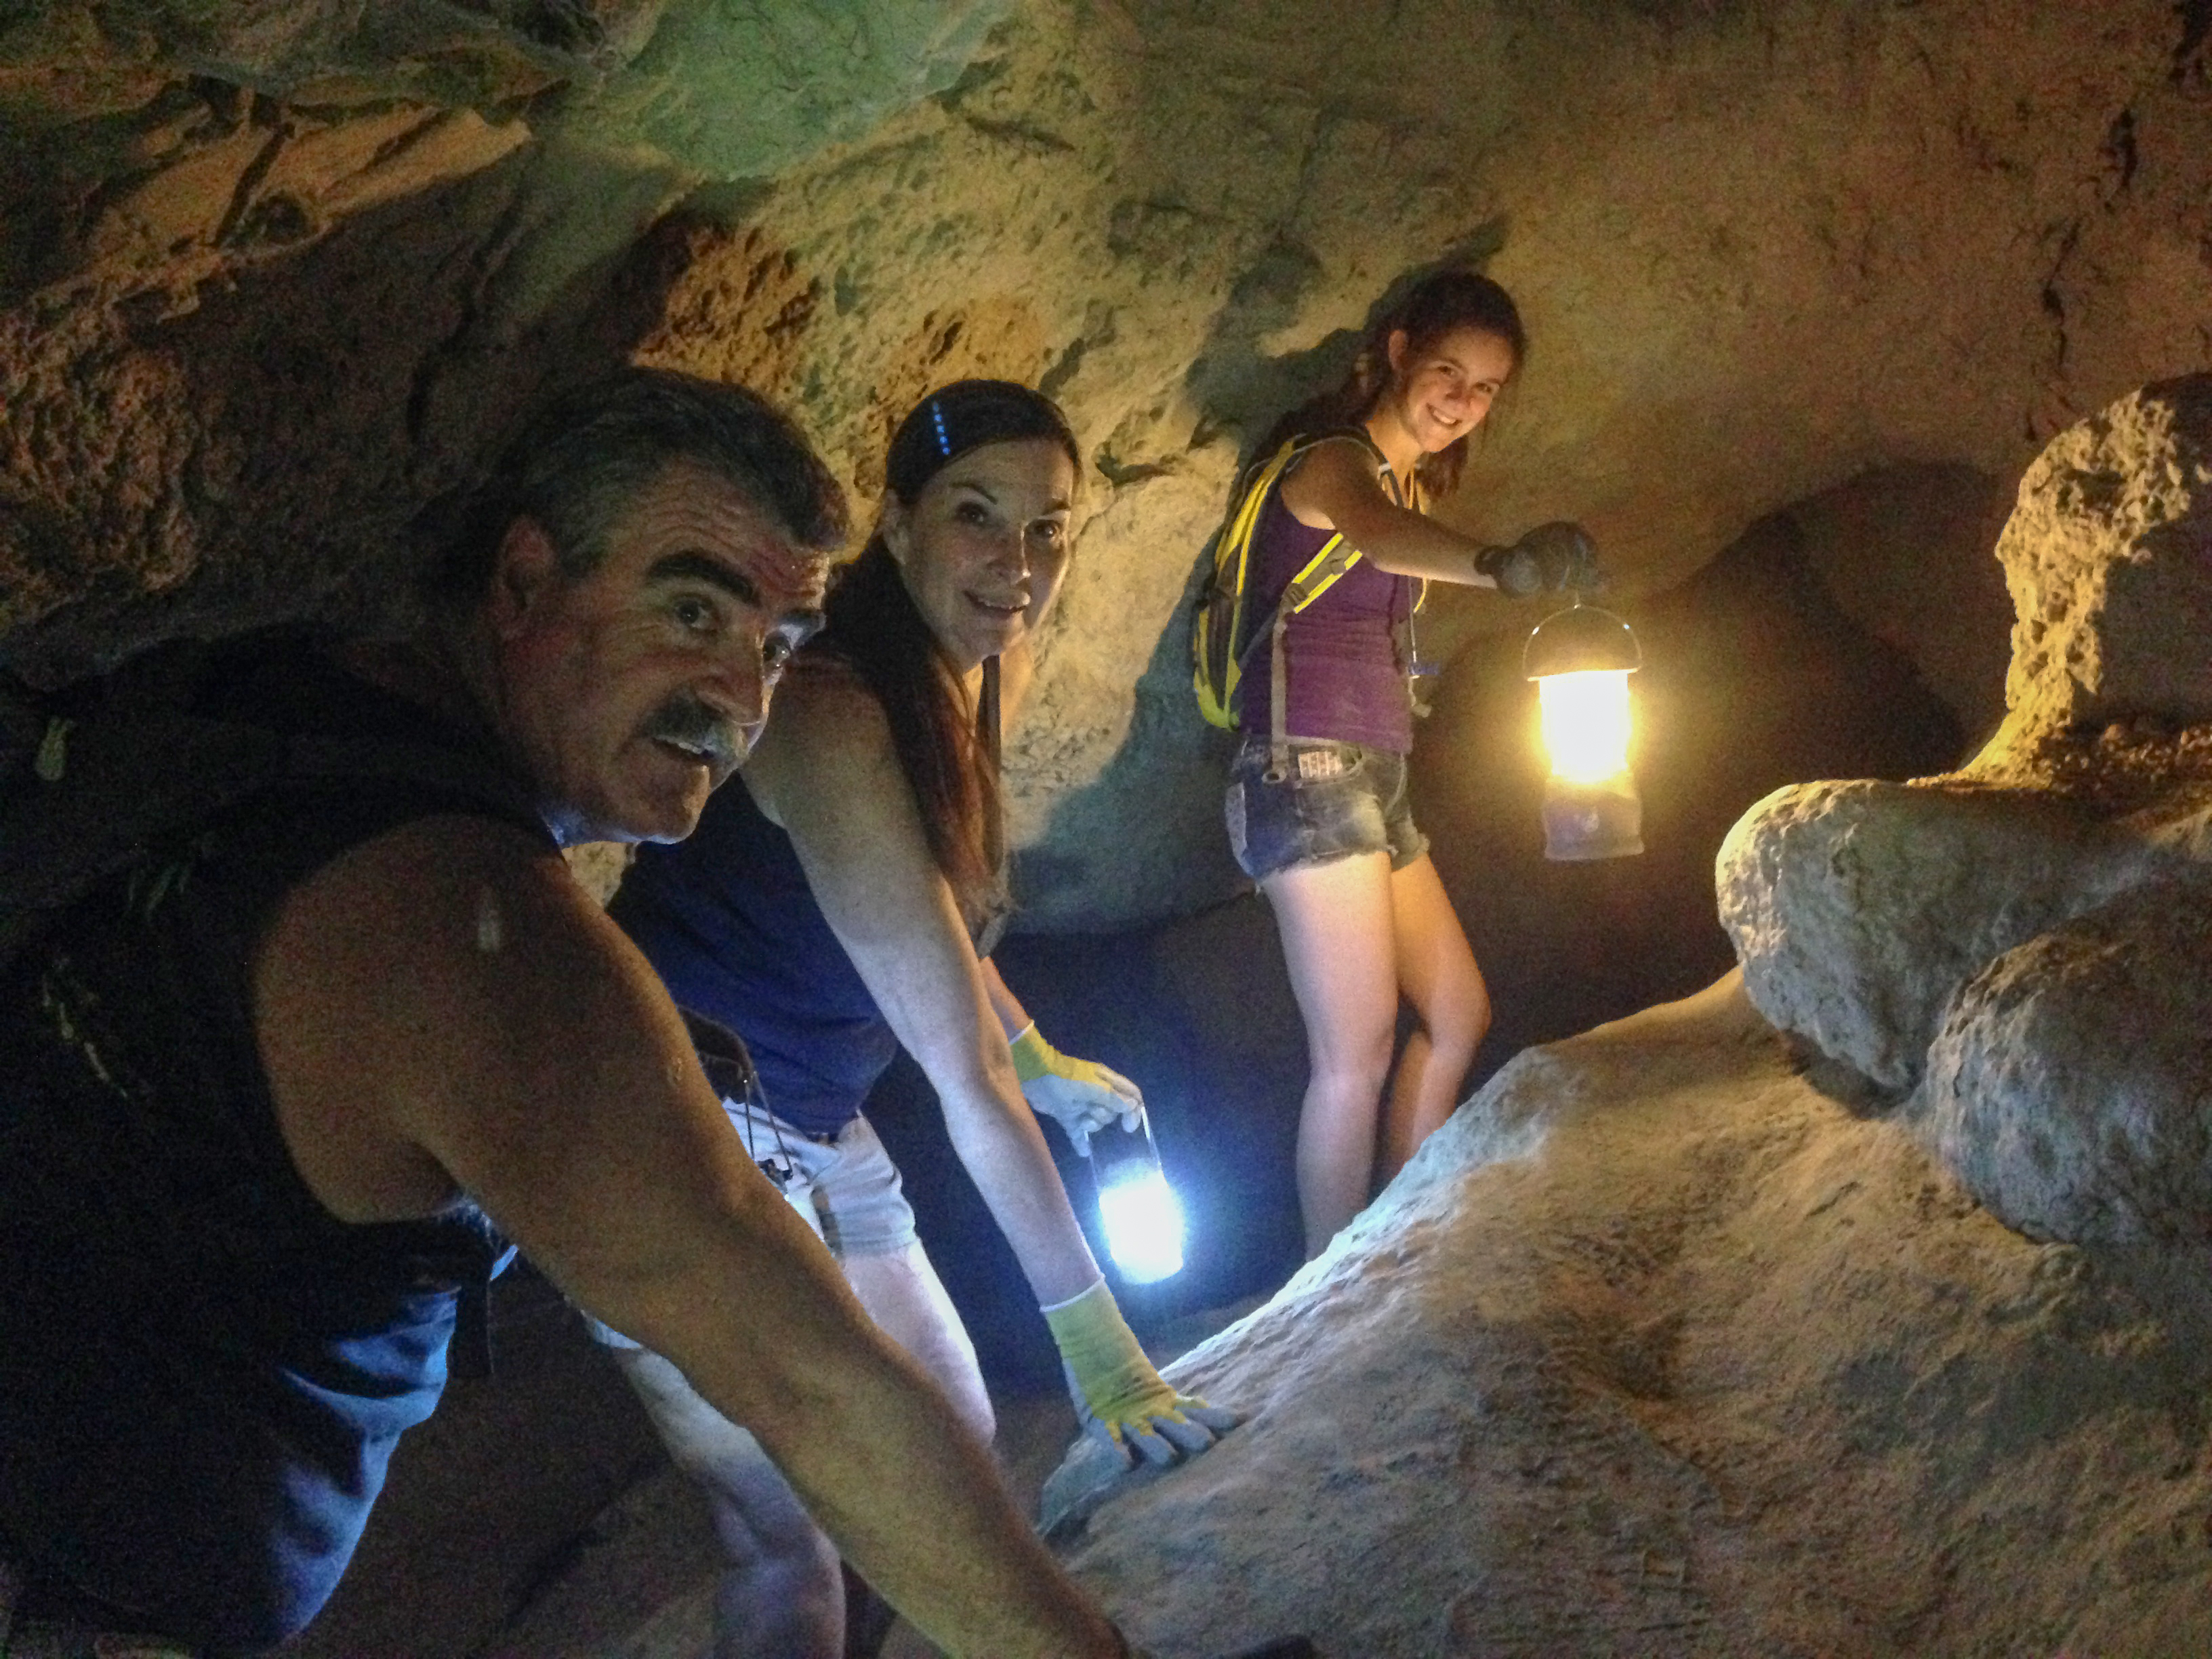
{"x":726,"y":918}
{"x":1340,"y":654}
{"x":203,"y":1371}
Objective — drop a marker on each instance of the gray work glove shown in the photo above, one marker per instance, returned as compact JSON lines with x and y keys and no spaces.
{"x":1550,"y":559}
{"x":1079,"y":1094}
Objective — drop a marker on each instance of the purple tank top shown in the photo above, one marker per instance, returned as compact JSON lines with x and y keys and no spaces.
{"x":1340,"y":653}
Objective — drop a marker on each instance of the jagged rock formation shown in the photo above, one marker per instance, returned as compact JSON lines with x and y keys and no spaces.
{"x":273,"y":275}
{"x":2071,"y":1083}
{"x":2109,"y":555}
{"x":2027,"y":941}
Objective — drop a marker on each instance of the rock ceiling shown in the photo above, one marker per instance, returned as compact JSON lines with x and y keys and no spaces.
{"x":271,"y":275}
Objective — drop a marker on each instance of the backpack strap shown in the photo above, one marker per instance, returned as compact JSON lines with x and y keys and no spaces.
{"x":104,"y":792}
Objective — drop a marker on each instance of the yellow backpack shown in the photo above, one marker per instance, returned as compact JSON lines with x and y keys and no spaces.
{"x":1220,"y":640}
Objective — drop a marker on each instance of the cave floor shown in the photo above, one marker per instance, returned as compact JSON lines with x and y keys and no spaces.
{"x":535,"y":1516}
{"x":1674,"y":1342}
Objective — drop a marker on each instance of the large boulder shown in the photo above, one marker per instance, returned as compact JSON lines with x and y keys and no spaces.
{"x":1657,"y":1349}
{"x":2109,"y":557}
{"x":1859,"y":909}
{"x":2071,"y":1087}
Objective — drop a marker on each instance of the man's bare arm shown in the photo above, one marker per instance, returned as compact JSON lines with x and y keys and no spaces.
{"x":443,"y":1009}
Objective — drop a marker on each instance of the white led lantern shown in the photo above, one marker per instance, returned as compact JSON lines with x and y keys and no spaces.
{"x":1138,"y":1211}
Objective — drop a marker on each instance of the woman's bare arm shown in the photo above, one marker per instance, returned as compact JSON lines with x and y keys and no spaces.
{"x":1013,"y":1017}
{"x":827,"y":772}
{"x":1334,"y":487}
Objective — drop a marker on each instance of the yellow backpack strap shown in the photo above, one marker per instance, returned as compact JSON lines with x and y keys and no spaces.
{"x":1336,"y":556}
{"x":1230,"y":562}
{"x":1320,"y":573}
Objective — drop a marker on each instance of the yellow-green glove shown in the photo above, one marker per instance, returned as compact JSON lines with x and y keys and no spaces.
{"x":1079,"y":1094}
{"x":1119,"y":1397}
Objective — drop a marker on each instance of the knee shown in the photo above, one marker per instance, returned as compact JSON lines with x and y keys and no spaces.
{"x":1458,"y":1021}
{"x":963,"y":1386}
{"x":978,"y":1415}
{"x":1355,"y":1062}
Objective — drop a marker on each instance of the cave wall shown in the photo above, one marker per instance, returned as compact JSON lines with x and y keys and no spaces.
{"x":275,"y":275}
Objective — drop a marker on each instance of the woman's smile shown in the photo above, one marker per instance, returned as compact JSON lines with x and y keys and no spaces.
{"x":984,"y":546}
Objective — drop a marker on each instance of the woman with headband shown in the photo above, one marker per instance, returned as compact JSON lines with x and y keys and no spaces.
{"x":837,"y":901}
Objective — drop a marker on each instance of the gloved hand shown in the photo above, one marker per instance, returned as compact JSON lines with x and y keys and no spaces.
{"x":1079,"y":1094}
{"x":1119,"y":1397}
{"x":1550,"y":558}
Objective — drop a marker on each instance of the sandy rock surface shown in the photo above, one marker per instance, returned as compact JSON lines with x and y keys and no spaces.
{"x":272,"y":276}
{"x":2109,"y":557}
{"x":2071,"y":1087}
{"x":1658,"y":1348}
{"x":1858,"y":909}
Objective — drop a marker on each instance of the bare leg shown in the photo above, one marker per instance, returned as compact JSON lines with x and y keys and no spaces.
{"x":901,"y":1292}
{"x":1335,"y":923}
{"x":1438,"y":974}
{"x":782,"y":1596}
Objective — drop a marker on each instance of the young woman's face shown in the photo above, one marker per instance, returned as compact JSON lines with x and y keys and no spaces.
{"x":984,"y":547}
{"x":1442,"y":390}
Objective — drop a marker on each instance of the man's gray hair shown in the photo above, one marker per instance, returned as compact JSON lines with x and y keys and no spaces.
{"x":578,"y":464}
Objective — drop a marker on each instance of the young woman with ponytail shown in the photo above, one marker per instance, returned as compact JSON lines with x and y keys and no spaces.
{"x":1317,"y":808}
{"x":838,"y":902}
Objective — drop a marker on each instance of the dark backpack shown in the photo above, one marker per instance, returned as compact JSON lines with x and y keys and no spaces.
{"x":98,"y":781}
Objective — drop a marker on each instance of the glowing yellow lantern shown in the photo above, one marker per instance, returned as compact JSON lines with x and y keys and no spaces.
{"x":1581,"y":658}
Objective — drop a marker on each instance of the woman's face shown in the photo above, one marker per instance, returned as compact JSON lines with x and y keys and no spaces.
{"x":1442,"y":390}
{"x":985,"y":546}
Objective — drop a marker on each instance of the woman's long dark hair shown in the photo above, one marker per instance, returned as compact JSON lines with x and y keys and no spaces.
{"x":1432,"y":308}
{"x":875,"y":628}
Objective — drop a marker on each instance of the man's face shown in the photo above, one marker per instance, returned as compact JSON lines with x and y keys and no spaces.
{"x":631,"y":692}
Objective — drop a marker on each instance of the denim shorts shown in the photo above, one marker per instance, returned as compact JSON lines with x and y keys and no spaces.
{"x":1338,"y":799}
{"x":847,"y":1188}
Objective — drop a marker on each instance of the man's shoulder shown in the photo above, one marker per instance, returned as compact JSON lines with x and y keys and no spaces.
{"x":448,"y":881}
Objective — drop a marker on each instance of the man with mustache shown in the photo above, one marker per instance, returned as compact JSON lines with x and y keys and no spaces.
{"x":267,"y":1098}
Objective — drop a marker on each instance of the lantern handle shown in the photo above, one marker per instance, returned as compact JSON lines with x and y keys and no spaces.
{"x":1582,"y":638}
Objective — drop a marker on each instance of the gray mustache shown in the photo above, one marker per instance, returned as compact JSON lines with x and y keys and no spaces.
{"x":686,"y":720}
